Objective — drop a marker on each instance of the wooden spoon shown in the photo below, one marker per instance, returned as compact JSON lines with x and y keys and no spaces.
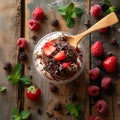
{"x":104,"y":22}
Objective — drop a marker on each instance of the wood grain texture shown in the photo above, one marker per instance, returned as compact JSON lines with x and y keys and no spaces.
{"x":9,"y":33}
{"x":48,"y":99}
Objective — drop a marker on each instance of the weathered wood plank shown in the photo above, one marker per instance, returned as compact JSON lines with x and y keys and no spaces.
{"x":111,"y":99}
{"x":48,"y":100}
{"x":9,"y":33}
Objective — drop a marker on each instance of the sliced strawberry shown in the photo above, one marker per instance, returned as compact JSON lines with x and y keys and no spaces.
{"x":60,"y":56}
{"x":65,"y":64}
{"x":48,"y":48}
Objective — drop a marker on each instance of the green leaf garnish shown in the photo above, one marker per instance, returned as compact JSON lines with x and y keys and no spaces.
{"x":69,"y":13}
{"x":17,"y":75}
{"x":2,"y":88}
{"x":112,"y":9}
{"x":23,"y":115}
{"x":74,"y":110}
{"x":107,"y":2}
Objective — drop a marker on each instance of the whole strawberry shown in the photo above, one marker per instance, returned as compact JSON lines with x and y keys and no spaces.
{"x":106,"y":82}
{"x":97,"y":49}
{"x":94,"y":73}
{"x":101,"y":106}
{"x":34,"y":25}
{"x":95,"y":10}
{"x":33,"y":93}
{"x":93,"y":90}
{"x":93,"y":117}
{"x":38,"y":13}
{"x":110,"y":64}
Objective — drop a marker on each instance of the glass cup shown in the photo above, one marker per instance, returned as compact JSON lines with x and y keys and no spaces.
{"x":39,"y":66}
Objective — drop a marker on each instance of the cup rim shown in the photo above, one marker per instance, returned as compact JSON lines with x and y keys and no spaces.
{"x":75,"y":76}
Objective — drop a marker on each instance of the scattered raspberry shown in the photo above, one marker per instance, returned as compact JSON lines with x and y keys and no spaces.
{"x":38,"y":14}
{"x":113,"y":41}
{"x":22,"y":43}
{"x":55,"y":23}
{"x":34,"y":25}
{"x":22,"y":56}
{"x":97,"y":49}
{"x":93,"y":117}
{"x":95,"y":10}
{"x":103,"y":30}
{"x":93,"y":90}
{"x":7,"y":67}
{"x":101,"y":106}
{"x":94,"y":73}
{"x":106,"y":82}
{"x":110,"y":64}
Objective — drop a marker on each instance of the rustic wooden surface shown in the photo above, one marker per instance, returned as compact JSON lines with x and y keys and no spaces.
{"x":14,"y":18}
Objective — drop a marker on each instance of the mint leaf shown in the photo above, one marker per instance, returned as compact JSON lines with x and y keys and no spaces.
{"x":25,"y":114}
{"x":70,"y":22}
{"x":112,"y":9}
{"x":2,"y":88}
{"x":25,"y":80}
{"x":78,"y":11}
{"x":62,"y":10}
{"x":15,"y":114}
{"x":74,"y":110}
{"x":107,"y":2}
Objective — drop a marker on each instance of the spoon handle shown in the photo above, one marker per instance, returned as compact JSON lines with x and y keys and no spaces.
{"x":104,"y":22}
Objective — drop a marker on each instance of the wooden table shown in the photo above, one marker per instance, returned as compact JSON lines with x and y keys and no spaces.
{"x":14,"y":18}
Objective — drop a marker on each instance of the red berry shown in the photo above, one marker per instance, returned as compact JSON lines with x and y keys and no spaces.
{"x":38,"y":14}
{"x":93,"y":117}
{"x":101,"y":106}
{"x":22,"y":43}
{"x":65,"y":64}
{"x":106,"y":82}
{"x":48,"y":48}
{"x":60,"y":56}
{"x":33,"y":93}
{"x":110,"y":64}
{"x":34,"y":25}
{"x":95,"y":10}
{"x":94,"y":73}
{"x":97,"y":49}
{"x":93,"y":90}
{"x":103,"y":30}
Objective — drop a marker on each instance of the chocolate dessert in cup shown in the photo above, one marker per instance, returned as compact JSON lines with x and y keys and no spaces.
{"x":56,"y":61}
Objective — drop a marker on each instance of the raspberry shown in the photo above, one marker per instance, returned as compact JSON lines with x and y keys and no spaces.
{"x":93,"y":90}
{"x":106,"y":82}
{"x":38,"y":14}
{"x":34,"y":25}
{"x":95,"y":10}
{"x":93,"y":117}
{"x":103,"y":30}
{"x":101,"y":106}
{"x":22,"y":43}
{"x":94,"y":73}
{"x":22,"y":56}
{"x":97,"y":49}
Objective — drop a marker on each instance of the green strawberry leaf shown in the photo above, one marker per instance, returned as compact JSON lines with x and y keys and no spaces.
{"x":25,"y":114}
{"x":25,"y":80}
{"x":2,"y":88}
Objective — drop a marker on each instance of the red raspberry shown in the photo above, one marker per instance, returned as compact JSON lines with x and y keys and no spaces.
{"x":22,"y":43}
{"x":95,"y":10}
{"x":97,"y":49}
{"x":93,"y":117}
{"x":103,"y":30}
{"x":101,"y":106}
{"x":106,"y":82}
{"x":93,"y":90}
{"x":38,"y":14}
{"x":34,"y":25}
{"x":94,"y":73}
